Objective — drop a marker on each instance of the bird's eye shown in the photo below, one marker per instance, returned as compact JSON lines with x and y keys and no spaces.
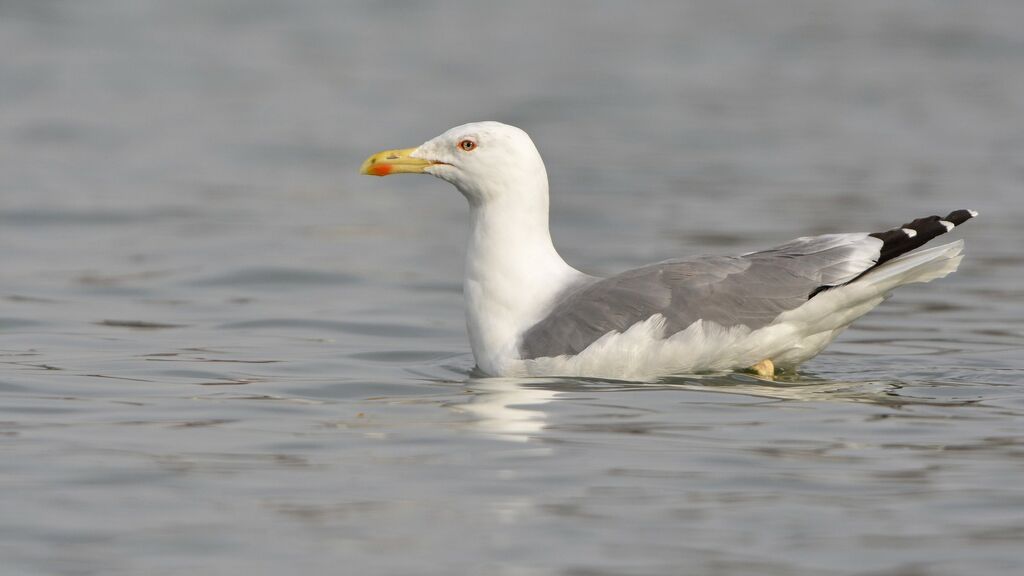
{"x":467,"y":145}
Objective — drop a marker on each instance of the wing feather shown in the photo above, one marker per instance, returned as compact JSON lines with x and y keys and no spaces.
{"x":750,"y":290}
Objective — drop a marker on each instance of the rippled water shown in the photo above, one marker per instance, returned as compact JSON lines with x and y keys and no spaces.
{"x":222,"y":351}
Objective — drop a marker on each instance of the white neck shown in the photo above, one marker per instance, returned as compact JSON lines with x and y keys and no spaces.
{"x":513,"y":274}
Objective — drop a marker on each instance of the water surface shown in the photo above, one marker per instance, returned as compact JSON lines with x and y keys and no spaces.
{"x":222,"y":351}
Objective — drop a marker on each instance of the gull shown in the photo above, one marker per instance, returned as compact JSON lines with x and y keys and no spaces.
{"x":528,"y":313}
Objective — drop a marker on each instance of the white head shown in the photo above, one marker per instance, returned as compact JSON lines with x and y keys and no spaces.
{"x":486,"y":161}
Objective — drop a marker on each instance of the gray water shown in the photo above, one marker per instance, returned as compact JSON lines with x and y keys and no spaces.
{"x":224,"y":352}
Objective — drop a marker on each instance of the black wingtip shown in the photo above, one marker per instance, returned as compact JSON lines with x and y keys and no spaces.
{"x":958,"y":217}
{"x":917,"y":233}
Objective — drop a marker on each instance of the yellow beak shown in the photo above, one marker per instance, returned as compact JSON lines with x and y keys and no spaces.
{"x":394,"y":162}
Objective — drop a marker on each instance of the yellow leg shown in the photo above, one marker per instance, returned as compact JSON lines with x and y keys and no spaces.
{"x":765,"y":369}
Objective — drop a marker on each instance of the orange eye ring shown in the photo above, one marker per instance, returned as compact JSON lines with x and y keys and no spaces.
{"x":467,"y":145}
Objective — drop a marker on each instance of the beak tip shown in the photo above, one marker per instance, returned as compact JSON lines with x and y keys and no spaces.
{"x":370,"y":168}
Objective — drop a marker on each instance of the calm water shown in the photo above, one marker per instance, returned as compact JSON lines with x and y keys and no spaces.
{"x":224,"y":352}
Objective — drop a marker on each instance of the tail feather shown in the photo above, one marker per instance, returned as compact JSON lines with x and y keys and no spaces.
{"x":921,"y":266}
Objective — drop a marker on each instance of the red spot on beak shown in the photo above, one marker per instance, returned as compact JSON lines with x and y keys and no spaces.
{"x":380,"y":169}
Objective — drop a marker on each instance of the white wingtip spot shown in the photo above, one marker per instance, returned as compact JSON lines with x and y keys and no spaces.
{"x":973,"y":213}
{"x":949,"y":225}
{"x":909,"y":232}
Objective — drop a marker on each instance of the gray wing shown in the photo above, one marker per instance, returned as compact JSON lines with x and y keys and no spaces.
{"x":750,"y":290}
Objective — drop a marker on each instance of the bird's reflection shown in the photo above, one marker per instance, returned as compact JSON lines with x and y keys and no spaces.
{"x":513,"y":408}
{"x":508,"y":407}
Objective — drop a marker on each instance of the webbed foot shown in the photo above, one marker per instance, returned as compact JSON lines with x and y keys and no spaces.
{"x":765,"y":369}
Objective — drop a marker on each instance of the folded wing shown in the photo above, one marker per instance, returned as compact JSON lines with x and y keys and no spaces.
{"x":749,"y":290}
